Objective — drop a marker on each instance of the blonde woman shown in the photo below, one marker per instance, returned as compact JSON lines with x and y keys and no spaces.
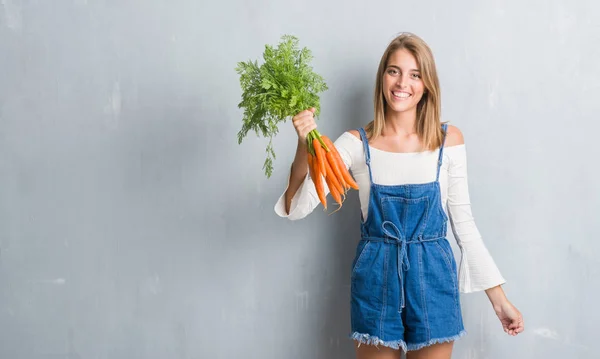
{"x":412,"y":175}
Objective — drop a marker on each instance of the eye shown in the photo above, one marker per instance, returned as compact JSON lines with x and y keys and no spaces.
{"x":392,"y":71}
{"x":416,"y":75}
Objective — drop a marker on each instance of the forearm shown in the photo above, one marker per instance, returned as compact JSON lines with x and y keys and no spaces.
{"x":496,"y":296}
{"x":298,"y":173}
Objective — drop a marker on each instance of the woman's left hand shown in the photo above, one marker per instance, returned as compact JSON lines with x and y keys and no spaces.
{"x":510,"y":317}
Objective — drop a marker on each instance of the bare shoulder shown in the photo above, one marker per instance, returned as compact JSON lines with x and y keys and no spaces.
{"x":355,"y":133}
{"x":454,"y":137}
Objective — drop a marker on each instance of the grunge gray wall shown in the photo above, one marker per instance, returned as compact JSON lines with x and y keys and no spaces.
{"x":132,"y":224}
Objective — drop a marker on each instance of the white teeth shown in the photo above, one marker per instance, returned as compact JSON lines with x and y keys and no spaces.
{"x":401,"y":94}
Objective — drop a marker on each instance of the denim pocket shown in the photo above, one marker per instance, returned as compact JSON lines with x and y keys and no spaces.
{"x":448,"y":257}
{"x":361,"y":251}
{"x":446,"y":251}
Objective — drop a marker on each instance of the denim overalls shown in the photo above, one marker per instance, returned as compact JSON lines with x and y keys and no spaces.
{"x":404,"y":290}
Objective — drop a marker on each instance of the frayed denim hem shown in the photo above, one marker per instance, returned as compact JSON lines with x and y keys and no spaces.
{"x":418,"y":346}
{"x":373,"y":340}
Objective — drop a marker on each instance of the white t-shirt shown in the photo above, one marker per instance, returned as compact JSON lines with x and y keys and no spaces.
{"x":477,"y":269}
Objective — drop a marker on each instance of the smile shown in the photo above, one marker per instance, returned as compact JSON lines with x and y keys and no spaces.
{"x":401,"y":95}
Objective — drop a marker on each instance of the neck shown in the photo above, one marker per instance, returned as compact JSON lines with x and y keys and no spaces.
{"x":400,"y":123}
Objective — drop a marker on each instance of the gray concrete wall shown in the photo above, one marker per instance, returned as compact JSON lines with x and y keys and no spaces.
{"x":132,"y":224}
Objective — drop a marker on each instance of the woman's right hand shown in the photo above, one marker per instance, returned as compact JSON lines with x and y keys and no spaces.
{"x":510,"y":317}
{"x":304,"y":122}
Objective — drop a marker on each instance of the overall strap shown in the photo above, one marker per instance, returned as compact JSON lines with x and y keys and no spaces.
{"x":441,"y":156}
{"x":363,"y":137}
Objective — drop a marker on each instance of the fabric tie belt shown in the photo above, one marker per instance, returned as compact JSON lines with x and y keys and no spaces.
{"x":394,"y":236}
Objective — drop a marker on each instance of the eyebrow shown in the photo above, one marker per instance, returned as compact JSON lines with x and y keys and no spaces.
{"x":396,"y":67}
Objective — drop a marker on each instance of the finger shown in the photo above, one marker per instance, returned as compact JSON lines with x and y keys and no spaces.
{"x":309,"y":112}
{"x":305,"y":129}
{"x":312,"y":109}
{"x":514,"y":324}
{"x":305,"y":123}
{"x":302,"y":114}
{"x":308,"y":128}
{"x":302,"y":121}
{"x":298,"y":118}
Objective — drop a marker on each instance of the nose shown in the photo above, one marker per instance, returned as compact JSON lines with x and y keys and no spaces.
{"x":402,"y":81}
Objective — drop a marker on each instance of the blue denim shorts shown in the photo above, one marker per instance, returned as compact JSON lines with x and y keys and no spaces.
{"x":405,"y":305}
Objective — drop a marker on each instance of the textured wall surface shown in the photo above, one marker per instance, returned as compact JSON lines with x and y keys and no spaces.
{"x":132,"y":224}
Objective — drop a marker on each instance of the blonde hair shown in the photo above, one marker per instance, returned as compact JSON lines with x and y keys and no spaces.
{"x":428,"y":124}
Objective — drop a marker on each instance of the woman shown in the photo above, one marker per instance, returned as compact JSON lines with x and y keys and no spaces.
{"x":412,"y":177}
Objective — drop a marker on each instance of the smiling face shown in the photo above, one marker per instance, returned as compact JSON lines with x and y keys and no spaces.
{"x":403,"y":85}
{"x":407,"y":84}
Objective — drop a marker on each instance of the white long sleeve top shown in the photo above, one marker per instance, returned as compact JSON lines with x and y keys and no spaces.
{"x":477,"y":269}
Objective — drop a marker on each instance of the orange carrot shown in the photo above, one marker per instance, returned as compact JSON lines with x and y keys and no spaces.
{"x":341,"y":165}
{"x":335,"y":169}
{"x":333,"y":190}
{"x":347,"y":176}
{"x":320,"y":153}
{"x":316,"y":177}
{"x":332,"y":182}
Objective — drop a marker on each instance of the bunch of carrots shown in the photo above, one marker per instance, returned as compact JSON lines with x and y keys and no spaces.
{"x":325,"y":161}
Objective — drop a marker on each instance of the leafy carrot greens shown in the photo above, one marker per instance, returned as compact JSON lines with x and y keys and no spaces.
{"x":281,"y":87}
{"x":284,"y":85}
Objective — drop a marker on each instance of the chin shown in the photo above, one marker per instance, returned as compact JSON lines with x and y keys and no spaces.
{"x":402,"y":108}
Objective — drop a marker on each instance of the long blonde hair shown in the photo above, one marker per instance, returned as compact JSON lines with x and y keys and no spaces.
{"x":428,"y":124}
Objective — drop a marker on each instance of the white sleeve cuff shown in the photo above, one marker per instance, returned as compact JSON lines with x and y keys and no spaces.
{"x":302,"y":202}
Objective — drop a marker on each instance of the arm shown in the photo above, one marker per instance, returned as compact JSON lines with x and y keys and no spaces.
{"x":478,"y":270}
{"x":304,"y":123}
{"x":297,"y":173}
